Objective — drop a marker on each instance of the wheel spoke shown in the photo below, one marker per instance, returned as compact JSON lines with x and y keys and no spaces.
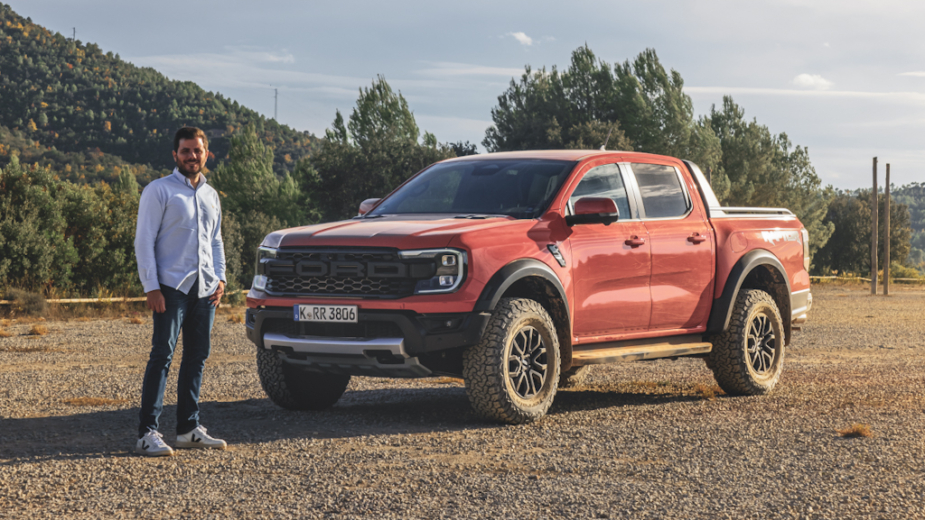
{"x":527,"y":367}
{"x":761,"y":343}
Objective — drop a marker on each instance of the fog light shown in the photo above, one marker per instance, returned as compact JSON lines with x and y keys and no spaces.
{"x":446,"y":281}
{"x":449,"y":260}
{"x":260,"y":282}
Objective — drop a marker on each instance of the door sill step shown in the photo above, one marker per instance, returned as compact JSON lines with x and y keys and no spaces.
{"x":640,"y":350}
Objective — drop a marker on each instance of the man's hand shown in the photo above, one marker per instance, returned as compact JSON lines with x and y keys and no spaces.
{"x":156,"y":301}
{"x":216,"y":297}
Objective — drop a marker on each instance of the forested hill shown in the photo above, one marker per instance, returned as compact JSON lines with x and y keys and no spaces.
{"x":70,"y":103}
{"x":913,"y":196}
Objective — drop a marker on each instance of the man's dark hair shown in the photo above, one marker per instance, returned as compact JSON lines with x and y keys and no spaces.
{"x":189,"y":132}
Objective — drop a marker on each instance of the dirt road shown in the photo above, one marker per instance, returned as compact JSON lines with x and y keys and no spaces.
{"x":640,"y":440}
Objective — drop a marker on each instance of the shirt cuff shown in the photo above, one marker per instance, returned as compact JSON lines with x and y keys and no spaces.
{"x":151,"y":285}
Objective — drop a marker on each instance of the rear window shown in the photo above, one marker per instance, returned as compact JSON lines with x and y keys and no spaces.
{"x":519,"y":188}
{"x":661,"y":191}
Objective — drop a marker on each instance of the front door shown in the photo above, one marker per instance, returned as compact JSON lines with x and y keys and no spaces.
{"x":610,"y":272}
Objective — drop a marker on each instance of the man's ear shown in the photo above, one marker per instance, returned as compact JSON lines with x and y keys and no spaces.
{"x":174,"y":155}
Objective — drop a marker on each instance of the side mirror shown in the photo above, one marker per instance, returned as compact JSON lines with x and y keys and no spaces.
{"x":594,"y":210}
{"x":367,"y":205}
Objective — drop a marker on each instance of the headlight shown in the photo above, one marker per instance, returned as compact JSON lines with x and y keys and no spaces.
{"x":260,"y":277}
{"x":449,"y":269}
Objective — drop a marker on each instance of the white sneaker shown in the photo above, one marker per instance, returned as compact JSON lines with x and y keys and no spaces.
{"x":198,"y":438}
{"x":153,"y":445}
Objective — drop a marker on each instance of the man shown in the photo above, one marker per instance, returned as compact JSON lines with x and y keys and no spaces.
{"x":181,"y":261}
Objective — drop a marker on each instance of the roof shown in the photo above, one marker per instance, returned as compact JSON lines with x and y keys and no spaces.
{"x":560,"y":155}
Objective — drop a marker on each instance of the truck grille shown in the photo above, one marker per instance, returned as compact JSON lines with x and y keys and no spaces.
{"x":371,"y":273}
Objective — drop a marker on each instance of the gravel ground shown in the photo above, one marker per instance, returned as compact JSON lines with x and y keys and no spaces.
{"x":640,"y":440}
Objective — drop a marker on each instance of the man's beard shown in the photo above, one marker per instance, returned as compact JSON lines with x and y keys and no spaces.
{"x":184,"y":169}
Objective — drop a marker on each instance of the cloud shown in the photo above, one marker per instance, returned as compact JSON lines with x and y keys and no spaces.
{"x":522,"y":38}
{"x":915,"y":74}
{"x":813,"y":81}
{"x":896,"y":97}
{"x":450,"y":69}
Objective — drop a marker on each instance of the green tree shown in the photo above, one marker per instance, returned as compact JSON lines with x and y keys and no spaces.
{"x":247,"y":183}
{"x":848,"y":250}
{"x":370,"y":155}
{"x":34,"y":251}
{"x":762,"y":169}
{"x":640,"y":105}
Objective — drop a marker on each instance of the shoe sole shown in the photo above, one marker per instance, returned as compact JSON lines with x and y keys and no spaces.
{"x":198,"y":445}
{"x":140,"y":451}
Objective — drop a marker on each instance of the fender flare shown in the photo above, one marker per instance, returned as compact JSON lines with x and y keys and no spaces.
{"x":511,"y":273}
{"x":722,"y":306}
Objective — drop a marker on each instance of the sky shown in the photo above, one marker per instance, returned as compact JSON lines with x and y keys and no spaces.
{"x":844,"y":78}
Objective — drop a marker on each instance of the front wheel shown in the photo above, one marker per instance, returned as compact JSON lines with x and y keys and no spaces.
{"x":293,"y":388}
{"x":748,"y":358}
{"x":511,"y":375}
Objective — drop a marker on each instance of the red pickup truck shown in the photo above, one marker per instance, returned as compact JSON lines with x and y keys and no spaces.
{"x":516,"y":271}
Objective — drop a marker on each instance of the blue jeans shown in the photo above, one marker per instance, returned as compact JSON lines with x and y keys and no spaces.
{"x":194,"y":316}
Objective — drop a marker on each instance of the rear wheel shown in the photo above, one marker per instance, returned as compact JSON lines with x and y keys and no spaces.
{"x":512,"y":374}
{"x":748,"y":358}
{"x":294,"y":388}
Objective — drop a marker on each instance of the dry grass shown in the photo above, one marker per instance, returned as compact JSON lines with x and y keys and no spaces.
{"x":5,"y":323}
{"x":856,"y":430}
{"x":448,"y":381}
{"x":5,"y":333}
{"x":38,"y":330}
{"x":136,"y":320}
{"x":236,"y":318}
{"x":708,"y":392}
{"x":93,"y":401}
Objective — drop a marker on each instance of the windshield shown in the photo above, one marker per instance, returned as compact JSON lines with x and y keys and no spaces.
{"x":521,"y":188}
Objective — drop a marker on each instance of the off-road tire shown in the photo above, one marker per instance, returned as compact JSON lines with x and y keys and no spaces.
{"x":748,"y":358}
{"x":491,"y":367}
{"x":293,"y":388}
{"x":574,"y":377}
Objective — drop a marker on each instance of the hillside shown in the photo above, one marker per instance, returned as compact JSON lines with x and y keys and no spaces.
{"x":73,"y":98}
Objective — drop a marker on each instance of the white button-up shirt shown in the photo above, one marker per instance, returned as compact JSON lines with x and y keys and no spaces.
{"x":179,"y":235}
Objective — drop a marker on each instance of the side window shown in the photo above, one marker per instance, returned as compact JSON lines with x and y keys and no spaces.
{"x":660,"y":187}
{"x":603,"y":181}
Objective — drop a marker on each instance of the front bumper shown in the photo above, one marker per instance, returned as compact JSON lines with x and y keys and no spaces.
{"x":382,"y":343}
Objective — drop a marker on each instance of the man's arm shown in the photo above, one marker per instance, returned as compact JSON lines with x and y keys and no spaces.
{"x":150,"y":214}
{"x":218,"y":256}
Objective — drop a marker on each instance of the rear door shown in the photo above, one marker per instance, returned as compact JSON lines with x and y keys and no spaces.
{"x":610,"y":263}
{"x":682,"y":246}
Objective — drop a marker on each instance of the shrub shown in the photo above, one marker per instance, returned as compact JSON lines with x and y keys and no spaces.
{"x":25,"y":302}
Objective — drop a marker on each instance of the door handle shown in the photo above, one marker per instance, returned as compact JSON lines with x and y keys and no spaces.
{"x":696,"y":238}
{"x":635,"y":241}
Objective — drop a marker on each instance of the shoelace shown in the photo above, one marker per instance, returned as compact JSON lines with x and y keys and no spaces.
{"x":156,"y":438}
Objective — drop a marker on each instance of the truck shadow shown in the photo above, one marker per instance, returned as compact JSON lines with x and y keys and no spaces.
{"x":110,"y":433}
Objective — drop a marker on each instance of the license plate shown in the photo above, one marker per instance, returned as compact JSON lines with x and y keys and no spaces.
{"x":326,"y":313}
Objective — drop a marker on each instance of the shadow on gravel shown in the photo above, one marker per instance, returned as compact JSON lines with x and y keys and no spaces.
{"x":364,"y":412}
{"x":582,"y":400}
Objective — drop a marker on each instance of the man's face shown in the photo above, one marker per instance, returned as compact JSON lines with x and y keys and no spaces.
{"x":191,"y":157}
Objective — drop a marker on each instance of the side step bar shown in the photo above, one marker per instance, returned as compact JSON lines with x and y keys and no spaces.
{"x":640,"y":350}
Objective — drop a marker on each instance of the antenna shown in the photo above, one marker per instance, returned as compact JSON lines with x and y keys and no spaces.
{"x":75,"y":34}
{"x":275,"y":102}
{"x":604,"y":146}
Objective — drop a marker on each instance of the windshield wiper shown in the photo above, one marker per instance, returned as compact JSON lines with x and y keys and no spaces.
{"x":474,"y":217}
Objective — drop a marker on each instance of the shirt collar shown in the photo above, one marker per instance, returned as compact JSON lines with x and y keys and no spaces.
{"x":182,"y":178}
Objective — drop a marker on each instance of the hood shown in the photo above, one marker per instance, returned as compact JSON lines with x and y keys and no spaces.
{"x":421,"y":231}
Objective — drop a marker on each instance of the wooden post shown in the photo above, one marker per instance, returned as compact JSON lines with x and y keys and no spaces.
{"x":886,"y":234}
{"x":873,"y":234}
